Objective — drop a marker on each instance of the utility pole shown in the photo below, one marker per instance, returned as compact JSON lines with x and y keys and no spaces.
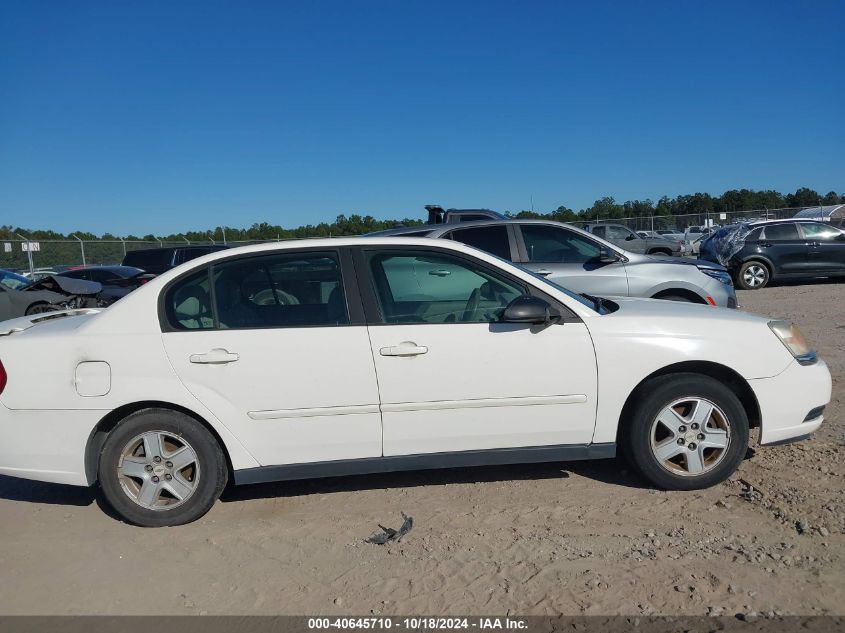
{"x":224,"y":234}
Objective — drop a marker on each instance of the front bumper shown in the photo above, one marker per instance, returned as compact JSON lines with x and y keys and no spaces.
{"x":786,"y":401}
{"x":722,"y":295}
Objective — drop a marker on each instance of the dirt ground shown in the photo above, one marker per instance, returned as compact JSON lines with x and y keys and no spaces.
{"x":578,"y":538}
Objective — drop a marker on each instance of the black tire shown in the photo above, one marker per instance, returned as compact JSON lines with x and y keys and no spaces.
{"x":655,"y":396}
{"x":210,"y":463}
{"x":40,"y":308}
{"x":659,"y":251}
{"x":753,"y":275}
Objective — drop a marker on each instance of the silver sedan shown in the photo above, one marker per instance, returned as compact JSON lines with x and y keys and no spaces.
{"x":585,"y":263}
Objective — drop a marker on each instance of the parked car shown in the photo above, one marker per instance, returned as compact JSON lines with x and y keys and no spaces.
{"x":39,"y":273}
{"x":582,"y":262}
{"x":158,"y":260}
{"x":329,"y":357}
{"x":624,"y":237}
{"x":19,"y":297}
{"x":117,"y":281}
{"x":651,"y":234}
{"x":439,"y":215}
{"x":775,"y":250}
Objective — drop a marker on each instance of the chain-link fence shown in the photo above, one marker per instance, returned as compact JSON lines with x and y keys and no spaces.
{"x":694,"y":220}
{"x":28,"y":255}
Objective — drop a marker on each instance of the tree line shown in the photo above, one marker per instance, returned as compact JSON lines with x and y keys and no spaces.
{"x":604,"y":208}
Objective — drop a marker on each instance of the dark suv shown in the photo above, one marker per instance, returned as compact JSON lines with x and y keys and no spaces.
{"x":159,"y":260}
{"x":779,"y":249}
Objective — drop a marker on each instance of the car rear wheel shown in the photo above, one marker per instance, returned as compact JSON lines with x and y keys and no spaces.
{"x":660,"y":251}
{"x":160,"y":467}
{"x":753,"y":276}
{"x":687,"y":431}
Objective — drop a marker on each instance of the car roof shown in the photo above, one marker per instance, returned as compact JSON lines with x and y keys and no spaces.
{"x":404,"y":230}
{"x":781,"y":221}
{"x":127,"y":270}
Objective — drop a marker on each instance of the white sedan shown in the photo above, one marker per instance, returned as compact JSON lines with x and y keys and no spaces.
{"x":329,"y":357}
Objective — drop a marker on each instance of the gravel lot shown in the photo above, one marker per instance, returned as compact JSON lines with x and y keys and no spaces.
{"x":573,"y":538}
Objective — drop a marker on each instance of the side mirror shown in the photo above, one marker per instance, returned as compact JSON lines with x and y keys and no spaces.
{"x":607,"y":256}
{"x":528,"y":309}
{"x":630,"y":237}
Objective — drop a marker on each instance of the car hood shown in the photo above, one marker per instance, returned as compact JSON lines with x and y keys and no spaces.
{"x":677,"y":261}
{"x":669,"y":332}
{"x":658,"y":310}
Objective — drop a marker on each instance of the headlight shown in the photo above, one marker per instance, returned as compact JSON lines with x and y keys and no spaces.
{"x":721,"y":275}
{"x":794,"y":341}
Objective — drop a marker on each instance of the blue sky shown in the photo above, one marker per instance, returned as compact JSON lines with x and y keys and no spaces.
{"x":154,"y":116}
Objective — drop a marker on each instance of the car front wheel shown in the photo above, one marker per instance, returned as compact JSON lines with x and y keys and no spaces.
{"x":160,"y":467}
{"x":686,"y":432}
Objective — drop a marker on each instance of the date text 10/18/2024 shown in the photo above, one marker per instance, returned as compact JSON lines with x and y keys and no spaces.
{"x":418,"y":623}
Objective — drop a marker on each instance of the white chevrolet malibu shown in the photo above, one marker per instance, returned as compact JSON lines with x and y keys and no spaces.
{"x":330,"y":357}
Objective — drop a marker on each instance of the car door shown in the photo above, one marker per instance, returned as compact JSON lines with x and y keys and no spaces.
{"x":826,"y":246}
{"x":785,"y":247}
{"x":496,"y":239}
{"x":451,"y":377}
{"x":275,"y":345}
{"x":570,"y":259}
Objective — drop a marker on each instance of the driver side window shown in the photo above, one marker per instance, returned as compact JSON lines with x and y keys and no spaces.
{"x":619,"y":233}
{"x":428,"y":287}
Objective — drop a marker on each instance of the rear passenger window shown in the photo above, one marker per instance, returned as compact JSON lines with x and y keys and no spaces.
{"x":778,"y":232}
{"x":491,"y":239}
{"x":188,"y":303}
{"x":280,"y":290}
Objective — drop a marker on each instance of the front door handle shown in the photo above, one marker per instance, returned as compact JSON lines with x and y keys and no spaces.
{"x":765,"y":244}
{"x":214,"y":357}
{"x":405,"y":348}
{"x":543,"y":272}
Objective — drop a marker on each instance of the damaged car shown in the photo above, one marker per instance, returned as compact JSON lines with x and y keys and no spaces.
{"x":46,"y":295}
{"x":757,"y":253}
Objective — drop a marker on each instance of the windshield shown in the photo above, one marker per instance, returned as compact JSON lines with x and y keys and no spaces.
{"x":12,"y":281}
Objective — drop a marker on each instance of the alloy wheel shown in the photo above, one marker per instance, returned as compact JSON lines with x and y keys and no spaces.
{"x":158,"y":470}
{"x":690,"y":436}
{"x":755,"y":276}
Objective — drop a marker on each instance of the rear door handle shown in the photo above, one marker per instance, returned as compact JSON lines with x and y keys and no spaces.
{"x":406,"y":348}
{"x":214,"y":357}
{"x":543,"y":272}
